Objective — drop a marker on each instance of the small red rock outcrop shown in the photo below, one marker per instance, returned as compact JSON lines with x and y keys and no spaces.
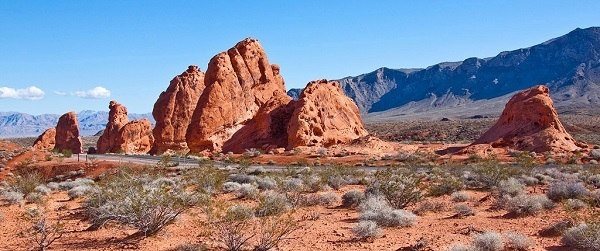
{"x":117,"y":118}
{"x":324,"y":116}
{"x":174,"y":108}
{"x":238,"y":82}
{"x":67,"y":134}
{"x":133,"y":137}
{"x":529,"y":122}
{"x":46,"y":140}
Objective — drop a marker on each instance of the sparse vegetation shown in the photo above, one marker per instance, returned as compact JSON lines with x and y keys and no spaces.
{"x":366,"y":230}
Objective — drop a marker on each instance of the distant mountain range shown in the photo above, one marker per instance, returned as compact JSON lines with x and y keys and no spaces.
{"x":16,"y":124}
{"x":569,"y":65}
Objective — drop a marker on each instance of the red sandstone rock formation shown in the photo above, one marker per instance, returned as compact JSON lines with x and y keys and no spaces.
{"x":238,"y":82}
{"x":267,"y":130}
{"x":324,"y":116}
{"x":67,"y":134}
{"x":117,"y":118}
{"x":135,"y":137}
{"x":46,"y":140}
{"x":529,"y":122}
{"x":174,"y":108}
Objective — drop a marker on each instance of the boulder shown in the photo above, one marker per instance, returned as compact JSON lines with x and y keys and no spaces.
{"x":529,"y":122}
{"x":46,"y":140}
{"x":174,"y":108}
{"x":324,"y":116}
{"x":117,"y":118}
{"x":135,"y":137}
{"x":238,"y":83}
{"x":67,"y":134}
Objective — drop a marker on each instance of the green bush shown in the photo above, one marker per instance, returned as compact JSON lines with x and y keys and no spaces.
{"x":399,"y":188}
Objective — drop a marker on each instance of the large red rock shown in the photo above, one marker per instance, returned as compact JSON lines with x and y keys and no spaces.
{"x":135,"y":137}
{"x":174,"y":108}
{"x":117,"y":118}
{"x":121,"y":136}
{"x":529,"y":122}
{"x":267,"y":130}
{"x":238,"y":82}
{"x":324,"y":116}
{"x":46,"y":140}
{"x":67,"y":134}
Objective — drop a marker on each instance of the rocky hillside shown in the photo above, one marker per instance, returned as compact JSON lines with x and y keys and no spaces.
{"x":15,"y":124}
{"x":568,"y":65}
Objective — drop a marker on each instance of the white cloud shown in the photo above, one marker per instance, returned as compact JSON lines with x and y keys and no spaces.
{"x":95,"y":93}
{"x":30,"y":93}
{"x":60,"y":93}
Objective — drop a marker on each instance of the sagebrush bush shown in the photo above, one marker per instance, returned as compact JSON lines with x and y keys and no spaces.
{"x":132,"y":198}
{"x":35,"y":197}
{"x":352,"y":198}
{"x":232,"y":227}
{"x":562,"y":190}
{"x":366,"y":229}
{"x":266,"y":183}
{"x":78,"y":191}
{"x":446,"y":185}
{"x":205,"y":179}
{"x":464,"y":210}
{"x":517,"y":241}
{"x":400,"y":189}
{"x":488,"y":241}
{"x":576,"y":204}
{"x":378,"y":210}
{"x":511,"y":187}
{"x":12,"y":197}
{"x":271,"y":203}
{"x":230,"y":187}
{"x":585,"y":236}
{"x":528,"y":204}
{"x":246,"y":191}
{"x":489,"y":173}
{"x":430,"y":206}
{"x":42,"y":189}
{"x":461,"y":196}
{"x":25,"y":181}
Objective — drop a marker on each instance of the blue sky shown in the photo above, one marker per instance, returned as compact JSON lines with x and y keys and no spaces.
{"x":58,"y":56}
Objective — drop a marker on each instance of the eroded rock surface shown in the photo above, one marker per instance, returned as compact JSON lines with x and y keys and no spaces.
{"x":46,"y":140}
{"x":324,"y":116}
{"x":67,"y":134}
{"x":174,"y":108}
{"x":529,"y":122}
{"x":135,"y":137}
{"x":238,"y":83}
{"x":117,"y":118}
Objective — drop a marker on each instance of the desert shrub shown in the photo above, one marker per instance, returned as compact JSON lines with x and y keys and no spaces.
{"x":271,"y":203}
{"x":205,"y":179}
{"x":378,"y":210}
{"x":66,"y":153}
{"x":585,"y":236}
{"x":266,"y":183}
{"x":511,"y":187}
{"x":446,"y":185}
{"x":242,"y":178}
{"x":528,"y":204}
{"x":352,"y":198}
{"x":246,"y":191}
{"x":489,"y":173}
{"x":79,"y":182}
{"x":25,"y":181}
{"x":337,"y":176}
{"x":576,"y":204}
{"x":232,"y":227}
{"x":328,"y":199}
{"x":460,"y":247}
{"x":53,"y":186}
{"x":43,"y":231}
{"x":366,"y":229}
{"x":562,"y":190}
{"x":78,"y":191}
{"x":488,"y":241}
{"x":400,"y":189}
{"x":529,"y":180}
{"x":429,"y":206}
{"x":517,"y":241}
{"x":313,"y":183}
{"x":230,"y":187}
{"x":12,"y":197}
{"x":132,"y":198}
{"x":35,"y":197}
{"x":461,"y":196}
{"x":42,"y":189}
{"x":272,"y":230}
{"x":293,"y":189}
{"x":463,"y":210}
